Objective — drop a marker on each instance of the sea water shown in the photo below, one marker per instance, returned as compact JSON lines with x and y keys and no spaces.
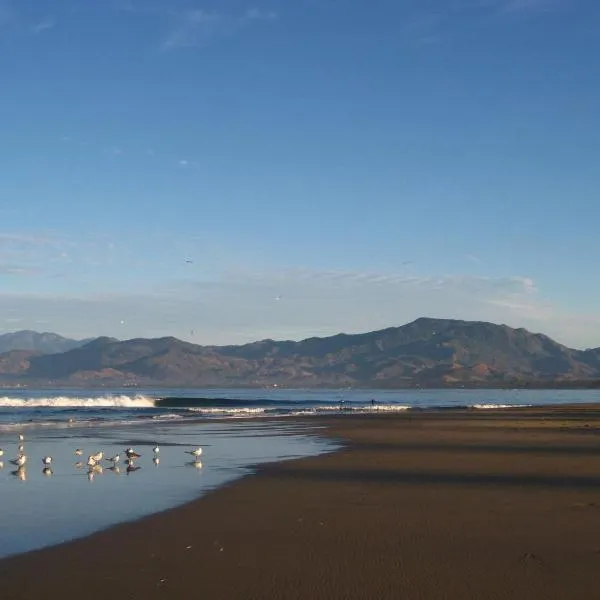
{"x":42,"y":507}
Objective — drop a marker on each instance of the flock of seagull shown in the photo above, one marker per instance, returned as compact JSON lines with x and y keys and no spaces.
{"x":94,"y":461}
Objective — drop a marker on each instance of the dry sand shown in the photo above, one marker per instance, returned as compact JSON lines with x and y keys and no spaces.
{"x":439,"y":505}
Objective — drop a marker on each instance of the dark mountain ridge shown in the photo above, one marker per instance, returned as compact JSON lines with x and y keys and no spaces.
{"x":425,"y":352}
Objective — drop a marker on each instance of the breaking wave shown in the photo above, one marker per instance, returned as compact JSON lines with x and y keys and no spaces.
{"x":77,"y":402}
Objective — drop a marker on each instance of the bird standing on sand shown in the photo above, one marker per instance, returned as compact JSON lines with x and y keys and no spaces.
{"x":131,"y":454}
{"x":98,"y":456}
{"x":19,"y":461}
{"x":195,"y":453}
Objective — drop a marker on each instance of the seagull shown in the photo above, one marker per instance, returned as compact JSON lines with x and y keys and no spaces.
{"x":78,"y":452}
{"x":114,"y":459}
{"x":156,"y":449}
{"x":19,"y":461}
{"x":98,"y":456}
{"x":197,"y":452}
{"x":47,"y":460}
{"x":21,"y":438}
{"x":131,"y":453}
{"x":91,"y":461}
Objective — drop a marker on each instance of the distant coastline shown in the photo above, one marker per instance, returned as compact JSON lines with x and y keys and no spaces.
{"x":473,"y":385}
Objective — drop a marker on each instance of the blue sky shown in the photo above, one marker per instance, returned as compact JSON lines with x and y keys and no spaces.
{"x":326,"y":166}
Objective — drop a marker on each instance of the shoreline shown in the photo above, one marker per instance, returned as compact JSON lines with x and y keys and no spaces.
{"x":422,"y":504}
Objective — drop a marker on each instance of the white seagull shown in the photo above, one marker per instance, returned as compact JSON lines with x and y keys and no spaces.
{"x":196,"y":453}
{"x":98,"y":456}
{"x":19,"y":461}
{"x":47,"y":460}
{"x":156,"y":449}
{"x":78,"y":452}
{"x":21,"y":437}
{"x":114,"y":459}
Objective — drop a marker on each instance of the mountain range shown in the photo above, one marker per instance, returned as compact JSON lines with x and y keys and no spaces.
{"x":45,"y":343}
{"x":425,"y":353}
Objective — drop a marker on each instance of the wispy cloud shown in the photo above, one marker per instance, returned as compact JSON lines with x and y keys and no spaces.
{"x":43,"y":26}
{"x":200,"y":27}
{"x":431,"y":27}
{"x":298,"y":303}
{"x":9,"y":269}
{"x":520,"y":6}
{"x":24,"y":239}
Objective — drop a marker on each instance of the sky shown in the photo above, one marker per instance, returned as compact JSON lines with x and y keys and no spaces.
{"x":225,"y":171}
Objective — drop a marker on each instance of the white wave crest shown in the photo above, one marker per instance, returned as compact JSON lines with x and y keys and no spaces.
{"x":76,"y":402}
{"x":228,"y":411}
{"x":492,"y":406}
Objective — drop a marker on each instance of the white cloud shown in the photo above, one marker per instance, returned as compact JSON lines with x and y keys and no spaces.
{"x":43,"y":26}
{"x":199,"y":27}
{"x":242,"y":307}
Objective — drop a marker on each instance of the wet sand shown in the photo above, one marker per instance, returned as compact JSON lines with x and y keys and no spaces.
{"x":422,"y":505}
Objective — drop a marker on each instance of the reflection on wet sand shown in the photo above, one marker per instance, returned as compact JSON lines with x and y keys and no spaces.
{"x":20,"y":473}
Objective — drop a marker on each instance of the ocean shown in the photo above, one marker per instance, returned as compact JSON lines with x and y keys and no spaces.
{"x":44,"y":506}
{"x":55,"y":408}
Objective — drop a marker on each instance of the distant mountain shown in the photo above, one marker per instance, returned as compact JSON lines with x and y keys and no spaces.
{"x":46,"y":343}
{"x":426,"y":352}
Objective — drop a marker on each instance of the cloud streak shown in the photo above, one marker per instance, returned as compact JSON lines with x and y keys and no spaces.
{"x":300,"y":303}
{"x":43,"y":26}
{"x":199,"y":27}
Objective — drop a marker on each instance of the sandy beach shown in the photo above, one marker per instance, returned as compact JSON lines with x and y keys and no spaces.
{"x":465,"y":504}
